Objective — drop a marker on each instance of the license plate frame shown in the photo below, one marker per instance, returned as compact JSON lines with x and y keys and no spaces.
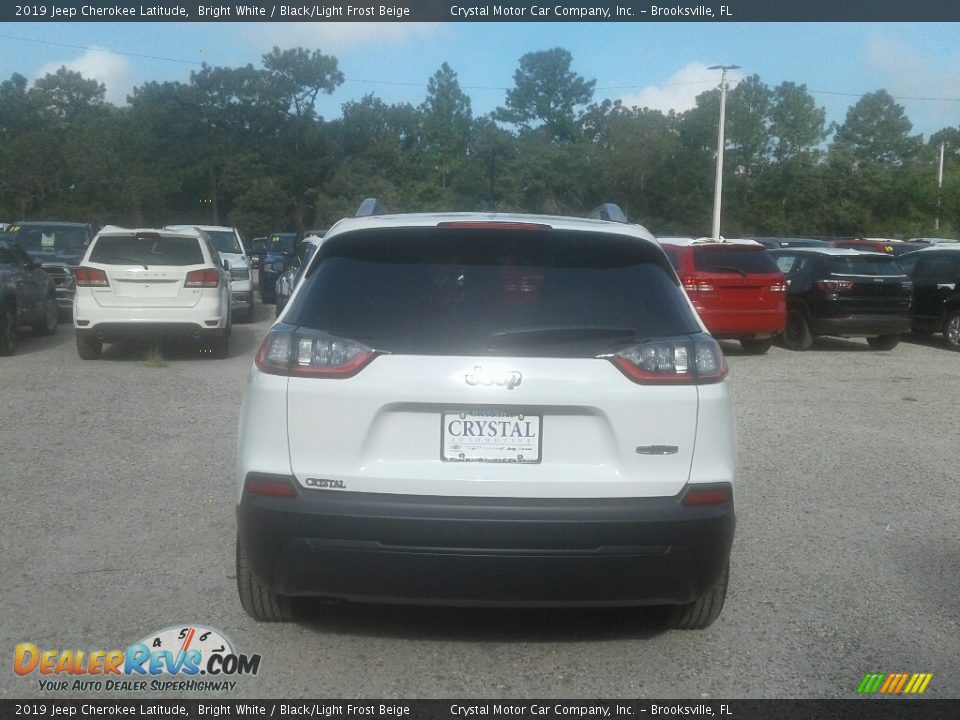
{"x":512,"y":443}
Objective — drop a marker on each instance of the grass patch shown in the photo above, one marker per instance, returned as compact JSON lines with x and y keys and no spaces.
{"x":154,"y":358}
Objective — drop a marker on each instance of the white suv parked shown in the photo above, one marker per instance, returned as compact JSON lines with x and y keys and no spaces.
{"x":229,"y":245}
{"x":148,"y":283}
{"x":487,"y":409}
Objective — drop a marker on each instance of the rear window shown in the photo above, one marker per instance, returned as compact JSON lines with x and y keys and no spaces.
{"x":937,"y":268}
{"x":225,"y":241}
{"x":864,"y":265}
{"x":159,"y":250}
{"x":457,"y":291}
{"x":739,"y":260}
{"x":50,"y":238}
{"x":281,"y":242}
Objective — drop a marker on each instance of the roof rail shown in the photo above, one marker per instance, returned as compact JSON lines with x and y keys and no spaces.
{"x":370,"y":206}
{"x":608,"y":211}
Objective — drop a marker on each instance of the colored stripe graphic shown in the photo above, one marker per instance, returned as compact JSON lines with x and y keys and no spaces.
{"x":894,"y":683}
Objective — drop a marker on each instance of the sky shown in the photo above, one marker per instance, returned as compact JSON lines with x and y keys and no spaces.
{"x":661,"y":65}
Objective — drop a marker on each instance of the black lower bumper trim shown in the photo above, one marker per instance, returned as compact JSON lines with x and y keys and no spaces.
{"x":482,"y":551}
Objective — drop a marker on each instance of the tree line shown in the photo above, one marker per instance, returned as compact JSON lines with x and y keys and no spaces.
{"x":245,"y":146}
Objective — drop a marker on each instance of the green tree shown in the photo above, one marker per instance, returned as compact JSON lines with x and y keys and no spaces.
{"x":447,"y":121}
{"x":546,"y":91}
{"x":877,"y":130}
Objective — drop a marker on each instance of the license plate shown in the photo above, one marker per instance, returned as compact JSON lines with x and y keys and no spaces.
{"x":490,"y":436}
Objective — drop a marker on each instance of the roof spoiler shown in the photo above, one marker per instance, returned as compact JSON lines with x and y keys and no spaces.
{"x":608,"y":211}
{"x":370,"y":206}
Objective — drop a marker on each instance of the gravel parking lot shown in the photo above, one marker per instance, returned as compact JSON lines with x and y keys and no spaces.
{"x":118,"y":520}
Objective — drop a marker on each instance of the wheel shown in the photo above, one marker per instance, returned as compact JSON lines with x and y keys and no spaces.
{"x":756,"y":346}
{"x":47,"y":325}
{"x":951,"y":330}
{"x":884,"y":342}
{"x":703,"y":611}
{"x":88,"y":349}
{"x":219,"y":347}
{"x":797,"y":335}
{"x":248,"y":314}
{"x":8,"y":329}
{"x":259,"y":601}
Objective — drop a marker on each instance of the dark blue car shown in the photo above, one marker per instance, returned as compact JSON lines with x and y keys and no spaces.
{"x":279,"y":250}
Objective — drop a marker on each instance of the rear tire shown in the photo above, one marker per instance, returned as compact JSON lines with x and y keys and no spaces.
{"x":248,"y":314}
{"x":47,"y":325}
{"x":951,"y":330}
{"x":796,"y":335}
{"x":702,"y":612}
{"x":8,"y":329}
{"x":259,"y":601}
{"x":88,"y":349}
{"x":884,"y":342}
{"x":756,"y":346}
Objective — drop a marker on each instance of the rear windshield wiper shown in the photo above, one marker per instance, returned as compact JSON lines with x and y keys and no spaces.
{"x":728,"y":268}
{"x":556,"y":335}
{"x":116,"y":259}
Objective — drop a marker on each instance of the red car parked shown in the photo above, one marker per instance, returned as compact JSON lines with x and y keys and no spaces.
{"x":734,"y":285}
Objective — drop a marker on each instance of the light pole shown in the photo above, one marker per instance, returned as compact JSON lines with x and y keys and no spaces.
{"x":939,"y":187}
{"x":718,"y":186}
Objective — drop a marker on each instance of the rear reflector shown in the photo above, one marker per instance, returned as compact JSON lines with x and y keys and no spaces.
{"x":90,"y":277}
{"x":202,"y":279}
{"x":688,"y":361}
{"x":270,"y":485}
{"x":710,"y":495}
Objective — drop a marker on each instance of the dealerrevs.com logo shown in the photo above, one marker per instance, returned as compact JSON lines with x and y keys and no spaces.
{"x":181,"y":657}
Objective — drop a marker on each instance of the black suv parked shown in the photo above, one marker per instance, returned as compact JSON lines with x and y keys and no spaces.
{"x":27,"y":296}
{"x":936,"y":292}
{"x":833,"y":291}
{"x":58,"y":247}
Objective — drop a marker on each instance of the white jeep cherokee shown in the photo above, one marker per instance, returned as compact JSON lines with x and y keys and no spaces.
{"x":487,"y":409}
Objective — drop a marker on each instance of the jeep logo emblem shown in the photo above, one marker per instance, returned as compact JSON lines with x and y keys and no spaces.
{"x":502,"y":378}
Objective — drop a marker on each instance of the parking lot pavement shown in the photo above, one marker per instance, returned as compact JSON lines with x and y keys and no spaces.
{"x":117,"y":520}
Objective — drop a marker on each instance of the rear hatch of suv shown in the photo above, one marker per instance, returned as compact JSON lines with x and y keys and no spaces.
{"x":866,"y":284}
{"x":737,"y":289}
{"x":518,"y":361}
{"x":147,"y":270}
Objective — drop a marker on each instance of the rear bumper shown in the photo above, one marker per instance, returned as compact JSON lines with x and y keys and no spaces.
{"x":115,"y":332}
{"x":861,"y":325}
{"x":485,"y":551}
{"x":732,"y":324}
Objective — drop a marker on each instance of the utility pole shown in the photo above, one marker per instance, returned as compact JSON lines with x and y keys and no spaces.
{"x":718,"y":185}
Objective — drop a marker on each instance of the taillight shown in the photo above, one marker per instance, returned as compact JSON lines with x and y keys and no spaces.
{"x":90,"y":277}
{"x":831,"y":287}
{"x":692,"y":284}
{"x":690,"y":361}
{"x":202,"y":279}
{"x":311,"y":354}
{"x":778,"y":287}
